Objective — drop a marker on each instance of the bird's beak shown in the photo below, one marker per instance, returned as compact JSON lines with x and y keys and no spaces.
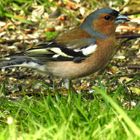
{"x":121,"y":19}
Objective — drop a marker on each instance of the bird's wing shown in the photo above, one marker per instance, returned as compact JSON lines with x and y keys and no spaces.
{"x":75,"y":39}
{"x":64,"y":48}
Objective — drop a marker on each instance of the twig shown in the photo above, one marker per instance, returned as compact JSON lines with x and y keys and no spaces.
{"x":133,"y":13}
{"x":133,"y":67}
{"x":125,"y":75}
{"x":132,"y":36}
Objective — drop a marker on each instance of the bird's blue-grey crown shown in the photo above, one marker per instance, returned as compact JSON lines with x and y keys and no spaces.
{"x":95,"y":14}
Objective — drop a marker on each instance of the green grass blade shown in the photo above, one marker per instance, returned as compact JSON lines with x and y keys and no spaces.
{"x":134,"y":128}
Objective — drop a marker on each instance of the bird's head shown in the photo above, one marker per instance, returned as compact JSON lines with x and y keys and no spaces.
{"x":103,"y":22}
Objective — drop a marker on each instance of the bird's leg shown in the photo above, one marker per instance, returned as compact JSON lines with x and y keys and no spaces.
{"x":52,"y":83}
{"x":68,"y":85}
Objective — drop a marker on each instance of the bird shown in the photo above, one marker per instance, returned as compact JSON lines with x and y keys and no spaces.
{"x":75,"y":53}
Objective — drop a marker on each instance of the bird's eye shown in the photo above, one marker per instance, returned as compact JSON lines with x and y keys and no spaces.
{"x":107,"y":17}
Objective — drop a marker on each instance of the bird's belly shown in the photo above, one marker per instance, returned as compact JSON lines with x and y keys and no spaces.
{"x":71,"y":70}
{"x":63,"y":69}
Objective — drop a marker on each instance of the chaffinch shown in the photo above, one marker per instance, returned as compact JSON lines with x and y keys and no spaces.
{"x":77,"y":52}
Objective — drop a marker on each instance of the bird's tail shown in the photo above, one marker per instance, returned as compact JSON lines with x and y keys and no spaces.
{"x":20,"y":61}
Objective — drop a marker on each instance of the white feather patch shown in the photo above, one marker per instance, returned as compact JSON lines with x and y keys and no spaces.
{"x":55,"y":56}
{"x":37,"y":51}
{"x":89,"y":50}
{"x":33,"y":65}
{"x":59,"y":52}
{"x":6,"y":58}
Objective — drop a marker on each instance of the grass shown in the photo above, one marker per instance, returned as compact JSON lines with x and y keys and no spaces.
{"x":69,"y":117}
